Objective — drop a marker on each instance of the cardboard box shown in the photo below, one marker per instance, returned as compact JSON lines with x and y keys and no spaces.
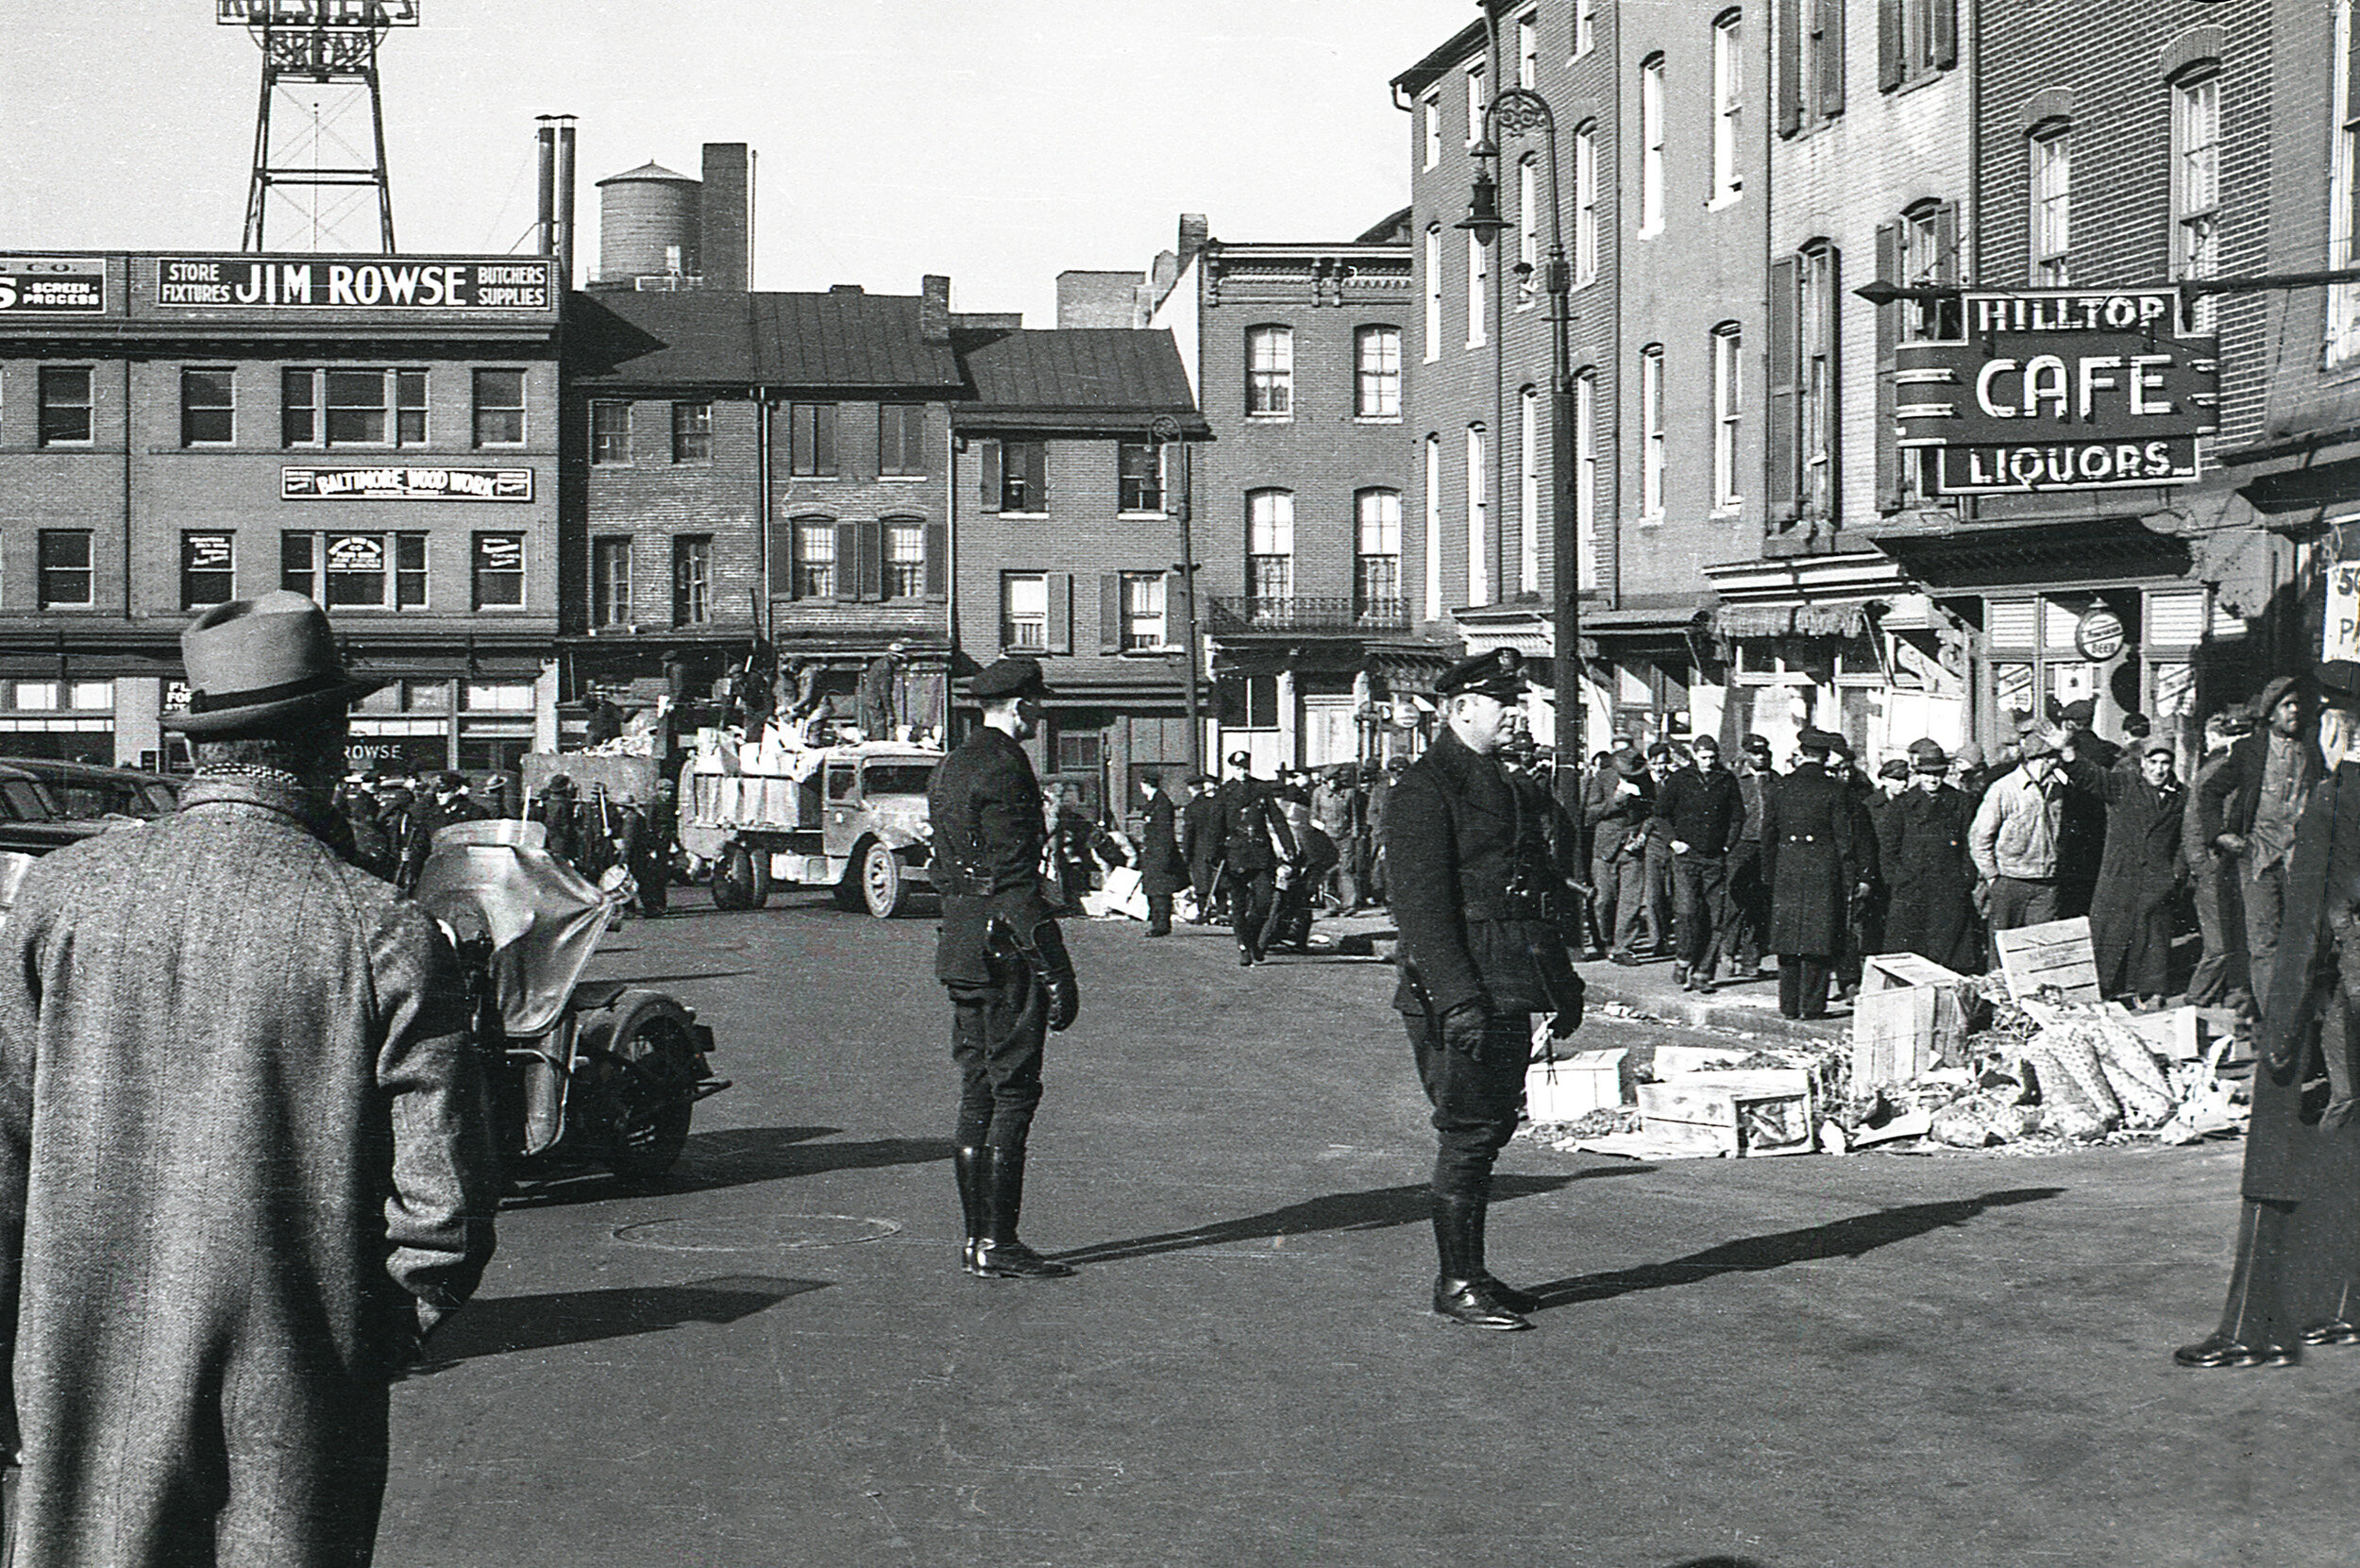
{"x":1572,"y":1087}
{"x":1766,"y":1112}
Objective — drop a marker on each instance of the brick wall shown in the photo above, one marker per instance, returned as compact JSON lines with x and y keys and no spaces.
{"x":656,"y":500}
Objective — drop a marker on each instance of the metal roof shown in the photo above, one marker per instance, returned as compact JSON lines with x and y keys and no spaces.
{"x":651,"y":171}
{"x":1109,"y":378}
{"x":841,"y":340}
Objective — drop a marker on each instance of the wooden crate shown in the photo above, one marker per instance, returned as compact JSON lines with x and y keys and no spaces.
{"x":1573,"y":1087}
{"x":1907,"y":1019}
{"x":2058,"y":953}
{"x":1754,"y":1113}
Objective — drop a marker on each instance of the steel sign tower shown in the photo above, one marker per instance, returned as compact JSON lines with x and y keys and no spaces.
{"x":330,"y":44}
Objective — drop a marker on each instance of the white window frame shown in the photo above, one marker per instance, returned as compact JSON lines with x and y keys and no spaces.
{"x":1651,"y":437}
{"x":2196,"y":181}
{"x":2049,"y":154}
{"x":1479,"y":520}
{"x":602,"y":556}
{"x":1586,"y":204}
{"x":1528,"y":230}
{"x":1269,"y":372}
{"x":1376,"y":374}
{"x":1651,"y":171}
{"x":1529,"y":490}
{"x":1728,"y":413}
{"x":1585,"y":27}
{"x":1270,"y":544}
{"x":1728,"y":107}
{"x":2343,"y":195}
{"x":1475,"y":103}
{"x":1430,"y":109}
{"x":1433,"y":292}
{"x":1478,"y":291}
{"x":1144,"y":617}
{"x":1377,"y":536}
{"x":1528,"y":49}
{"x":1015,"y":619}
{"x":1586,"y":478}
{"x":1433,"y":540}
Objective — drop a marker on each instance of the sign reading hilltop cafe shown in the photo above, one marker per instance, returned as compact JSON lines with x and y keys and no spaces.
{"x":2059,"y":389}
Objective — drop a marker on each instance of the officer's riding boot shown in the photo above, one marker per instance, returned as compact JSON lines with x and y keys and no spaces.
{"x":1503,"y":1292}
{"x":998,"y":1254}
{"x":966,"y":1163}
{"x":1461,"y":1293}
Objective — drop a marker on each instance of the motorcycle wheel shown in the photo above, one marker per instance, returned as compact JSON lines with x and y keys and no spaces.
{"x":650,"y":1069}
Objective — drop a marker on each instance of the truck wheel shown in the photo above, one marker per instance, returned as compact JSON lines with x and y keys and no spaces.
{"x":741,"y":878}
{"x":882,"y":887}
{"x":644,"y":1057}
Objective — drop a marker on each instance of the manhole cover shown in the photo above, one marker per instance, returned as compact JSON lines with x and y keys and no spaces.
{"x":755,"y":1232}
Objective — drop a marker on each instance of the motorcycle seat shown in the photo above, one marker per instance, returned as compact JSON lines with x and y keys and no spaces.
{"x":591,"y":995}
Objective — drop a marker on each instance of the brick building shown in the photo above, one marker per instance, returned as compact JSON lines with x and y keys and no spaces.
{"x":1298,"y":501}
{"x":180,"y":430}
{"x":1064,"y":539}
{"x":760,"y":465}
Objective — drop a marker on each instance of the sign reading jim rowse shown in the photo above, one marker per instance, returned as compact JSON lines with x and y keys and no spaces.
{"x":2060,"y":389}
{"x":392,"y":283}
{"x":405,"y":484}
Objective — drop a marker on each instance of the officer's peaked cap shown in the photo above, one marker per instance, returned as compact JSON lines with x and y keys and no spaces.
{"x":1014,"y":676}
{"x":1498,"y":674}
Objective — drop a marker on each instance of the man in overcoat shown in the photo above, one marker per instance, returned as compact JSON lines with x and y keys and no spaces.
{"x":1478,"y":901}
{"x":2250,"y":808}
{"x":1002,"y":957}
{"x":1252,"y":836}
{"x":2296,"y":1281}
{"x":1922,"y":850}
{"x":246,"y":1162}
{"x":1162,"y":873}
{"x":2139,"y":880}
{"x":1200,"y":846}
{"x":1703,"y":811}
{"x":1812,"y":865}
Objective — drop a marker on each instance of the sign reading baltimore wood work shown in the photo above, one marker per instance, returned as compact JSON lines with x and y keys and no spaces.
{"x":2060,"y":389}
{"x":390,"y":283}
{"x":405,"y":484}
{"x":68,"y":285}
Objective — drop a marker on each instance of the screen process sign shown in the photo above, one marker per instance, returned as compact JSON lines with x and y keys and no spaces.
{"x":52,"y":285}
{"x":2060,"y":389}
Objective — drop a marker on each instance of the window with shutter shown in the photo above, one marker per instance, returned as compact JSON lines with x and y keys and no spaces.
{"x":847,"y":563}
{"x":1109,"y":612}
{"x":1889,"y":269}
{"x":1891,"y":53}
{"x":1828,"y":58}
{"x":779,"y":547}
{"x":870,"y":562}
{"x":1060,"y":611}
{"x":1790,"y":71}
{"x":937,"y":560}
{"x":1778,"y":434}
{"x":990,"y":463}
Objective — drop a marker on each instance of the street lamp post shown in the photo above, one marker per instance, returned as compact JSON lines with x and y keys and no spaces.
{"x":1520,"y":112}
{"x":1164,"y":430}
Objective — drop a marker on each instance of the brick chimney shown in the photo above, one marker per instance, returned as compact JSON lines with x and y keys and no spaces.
{"x":1194,"y":232}
{"x":933,"y":308}
{"x":726,"y":216}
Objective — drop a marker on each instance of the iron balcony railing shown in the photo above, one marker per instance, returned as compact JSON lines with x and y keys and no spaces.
{"x":1306,"y":614}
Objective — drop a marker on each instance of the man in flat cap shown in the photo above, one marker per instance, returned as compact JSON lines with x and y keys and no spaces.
{"x":247,"y":1162}
{"x":1814,"y":865}
{"x":1002,"y":960}
{"x":1478,"y":899}
{"x":2249,"y":809}
{"x":1922,"y":850}
{"x":2143,"y":871}
{"x":2016,"y":837}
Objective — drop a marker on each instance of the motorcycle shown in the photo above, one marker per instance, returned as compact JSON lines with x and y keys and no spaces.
{"x":598,"y":1072}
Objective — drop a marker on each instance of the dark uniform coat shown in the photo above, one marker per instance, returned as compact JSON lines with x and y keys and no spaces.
{"x":244,"y":1147}
{"x":985,"y":805}
{"x":2141,"y":874}
{"x":1468,"y":849}
{"x":1921,"y":850}
{"x":2290,"y":1157}
{"x":1162,"y":869}
{"x":1199,"y":843}
{"x":1245,"y":819}
{"x":1809,"y":859}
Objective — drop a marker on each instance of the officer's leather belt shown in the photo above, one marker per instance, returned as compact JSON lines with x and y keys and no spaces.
{"x":953,"y":882}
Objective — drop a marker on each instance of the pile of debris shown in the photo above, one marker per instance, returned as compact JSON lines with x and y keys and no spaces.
{"x":2030,"y":1059}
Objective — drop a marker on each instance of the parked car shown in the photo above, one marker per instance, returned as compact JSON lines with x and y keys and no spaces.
{"x":85,"y":791}
{"x":31,"y":822}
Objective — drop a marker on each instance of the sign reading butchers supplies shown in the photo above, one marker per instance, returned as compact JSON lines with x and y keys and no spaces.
{"x":389,"y":283}
{"x":405,"y":484}
{"x":2060,"y":389}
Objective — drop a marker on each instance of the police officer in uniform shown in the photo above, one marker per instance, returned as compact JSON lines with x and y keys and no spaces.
{"x":1810,"y":862}
{"x":1478,"y":901}
{"x":1252,"y":835}
{"x":1002,"y":960}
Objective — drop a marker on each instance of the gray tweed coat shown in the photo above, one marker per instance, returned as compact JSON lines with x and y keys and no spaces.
{"x":244,"y":1155}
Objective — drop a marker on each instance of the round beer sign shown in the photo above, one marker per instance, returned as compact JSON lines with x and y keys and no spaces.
{"x":2098,"y":634}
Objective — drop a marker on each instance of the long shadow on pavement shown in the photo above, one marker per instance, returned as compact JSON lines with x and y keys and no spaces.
{"x":736,"y":1157}
{"x":1379,"y":1209}
{"x":502,"y":1325}
{"x":1848,"y":1237}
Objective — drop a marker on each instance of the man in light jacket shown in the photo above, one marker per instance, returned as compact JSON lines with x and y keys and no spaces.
{"x":2015,"y":839}
{"x":245,"y":1153}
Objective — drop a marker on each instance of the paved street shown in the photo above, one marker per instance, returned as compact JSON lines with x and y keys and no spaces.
{"x":1871,"y":1362}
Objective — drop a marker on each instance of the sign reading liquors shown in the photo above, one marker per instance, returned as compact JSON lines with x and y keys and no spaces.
{"x":341,"y":284}
{"x":405,"y":484}
{"x":2060,"y":390}
{"x":69,"y":285}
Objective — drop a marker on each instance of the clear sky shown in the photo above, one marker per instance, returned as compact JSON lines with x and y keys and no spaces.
{"x":1001,"y":141}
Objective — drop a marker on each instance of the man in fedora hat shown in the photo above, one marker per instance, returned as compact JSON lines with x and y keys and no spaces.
{"x":1002,"y":960}
{"x":246,"y":1156}
{"x":1922,"y":850}
{"x":1478,"y":897}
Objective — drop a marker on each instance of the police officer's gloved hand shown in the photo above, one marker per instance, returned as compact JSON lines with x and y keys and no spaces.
{"x":1568,"y":1018}
{"x":1463,"y":1027}
{"x":1055,"y":969}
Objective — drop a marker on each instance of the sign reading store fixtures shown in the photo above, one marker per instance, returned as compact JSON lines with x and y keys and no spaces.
{"x":349,"y":284}
{"x":2059,"y":389}
{"x":405,"y":484}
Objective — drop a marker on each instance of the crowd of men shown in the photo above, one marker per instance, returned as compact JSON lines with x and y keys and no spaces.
{"x":1931,"y":851}
{"x":387,"y":822}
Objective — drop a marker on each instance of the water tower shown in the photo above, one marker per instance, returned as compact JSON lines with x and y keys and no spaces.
{"x":334,"y":145}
